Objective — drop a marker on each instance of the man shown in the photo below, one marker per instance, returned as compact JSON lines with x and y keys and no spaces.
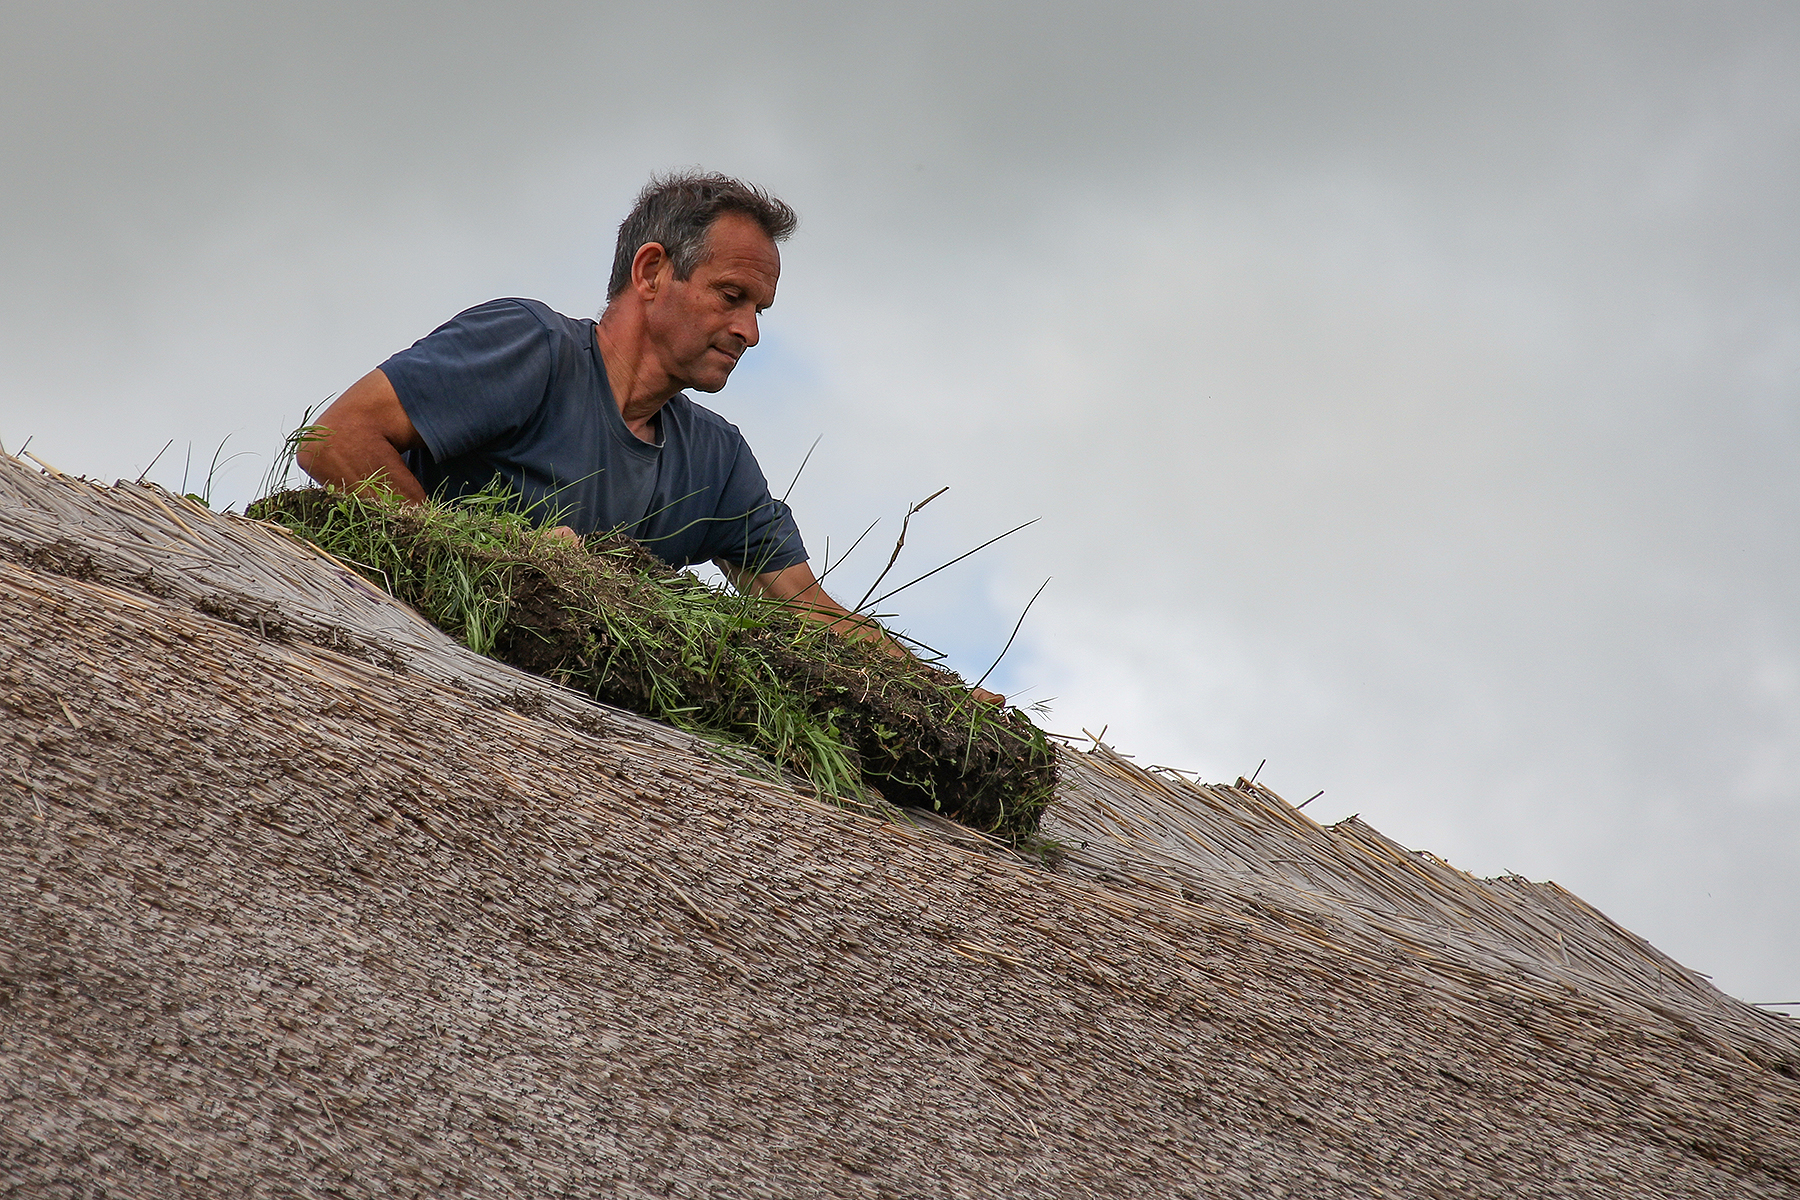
{"x":587,"y":419}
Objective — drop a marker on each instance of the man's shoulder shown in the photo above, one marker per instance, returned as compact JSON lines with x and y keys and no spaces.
{"x":519,"y":308}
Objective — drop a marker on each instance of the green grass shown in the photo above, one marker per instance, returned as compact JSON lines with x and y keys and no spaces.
{"x":610,"y":620}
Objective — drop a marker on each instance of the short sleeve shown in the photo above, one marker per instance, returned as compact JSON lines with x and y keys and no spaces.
{"x":756,"y":531}
{"x":475,"y":380}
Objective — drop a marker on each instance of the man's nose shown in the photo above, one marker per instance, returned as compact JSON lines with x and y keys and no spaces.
{"x":747,"y":331}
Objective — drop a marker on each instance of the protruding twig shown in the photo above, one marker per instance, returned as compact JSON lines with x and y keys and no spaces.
{"x":951,"y":563}
{"x":1015,"y":633}
{"x":832,"y":566}
{"x":53,"y":472}
{"x":1258,"y":771}
{"x":936,"y":654}
{"x":898,"y":542}
{"x":1309,"y":800}
{"x":159,"y":454}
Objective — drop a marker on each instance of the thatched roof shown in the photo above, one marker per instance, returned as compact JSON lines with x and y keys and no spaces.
{"x":299,"y":898}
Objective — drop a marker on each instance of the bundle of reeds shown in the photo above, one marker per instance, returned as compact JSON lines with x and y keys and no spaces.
{"x":611,"y":620}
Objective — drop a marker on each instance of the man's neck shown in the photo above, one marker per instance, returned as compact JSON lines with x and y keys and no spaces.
{"x":639,"y":387}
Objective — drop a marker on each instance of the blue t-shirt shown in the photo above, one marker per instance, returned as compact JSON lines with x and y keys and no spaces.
{"x":513,"y":389}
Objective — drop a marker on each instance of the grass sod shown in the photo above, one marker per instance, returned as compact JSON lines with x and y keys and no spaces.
{"x":611,"y":620}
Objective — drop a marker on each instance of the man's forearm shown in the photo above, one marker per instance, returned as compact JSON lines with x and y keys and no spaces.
{"x":366,"y":463}
{"x":842,"y":621}
{"x":796,"y":587}
{"x":360,"y":439}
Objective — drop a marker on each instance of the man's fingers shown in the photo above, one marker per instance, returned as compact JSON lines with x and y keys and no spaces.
{"x":987,"y":697}
{"x":563,"y":533}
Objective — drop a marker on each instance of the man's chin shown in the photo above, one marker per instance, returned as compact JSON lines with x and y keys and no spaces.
{"x":710,"y":381}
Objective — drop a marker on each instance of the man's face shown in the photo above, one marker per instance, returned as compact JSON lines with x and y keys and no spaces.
{"x":701,"y":325}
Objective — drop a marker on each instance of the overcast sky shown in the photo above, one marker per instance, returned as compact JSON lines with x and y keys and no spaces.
{"x":1409,"y":393}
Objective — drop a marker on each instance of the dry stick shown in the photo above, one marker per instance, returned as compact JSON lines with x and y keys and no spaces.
{"x":898,"y":542}
{"x":831,"y":566}
{"x":1015,"y":633}
{"x":54,"y":473}
{"x":159,"y":454}
{"x":1309,"y":800}
{"x":951,"y":563}
{"x":905,"y":637}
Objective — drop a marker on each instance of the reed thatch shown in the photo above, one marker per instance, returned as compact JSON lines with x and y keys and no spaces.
{"x":300,"y":898}
{"x":608,"y":619}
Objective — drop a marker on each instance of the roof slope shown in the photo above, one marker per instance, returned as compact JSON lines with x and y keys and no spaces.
{"x":300,"y":899}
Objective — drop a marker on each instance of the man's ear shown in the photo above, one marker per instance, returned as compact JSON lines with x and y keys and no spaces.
{"x":649,"y":267}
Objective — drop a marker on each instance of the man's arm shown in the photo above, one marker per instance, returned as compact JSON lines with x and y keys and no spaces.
{"x":796,"y":587}
{"x":365,"y":432}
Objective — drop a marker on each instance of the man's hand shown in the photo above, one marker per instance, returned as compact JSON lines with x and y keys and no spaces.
{"x":562,"y":533}
{"x":796,"y":587}
{"x":365,"y":432}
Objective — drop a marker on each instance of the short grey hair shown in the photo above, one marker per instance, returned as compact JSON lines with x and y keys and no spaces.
{"x":677,"y":210}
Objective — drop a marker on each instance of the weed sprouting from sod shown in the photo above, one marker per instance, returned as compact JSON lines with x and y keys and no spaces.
{"x":203,"y":497}
{"x":609,"y":619}
{"x":279,"y":476}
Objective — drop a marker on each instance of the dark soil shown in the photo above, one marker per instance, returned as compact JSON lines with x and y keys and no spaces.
{"x":612,"y":620}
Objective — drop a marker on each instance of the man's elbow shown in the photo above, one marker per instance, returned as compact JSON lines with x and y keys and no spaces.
{"x":307,"y":459}
{"x":320,"y":456}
